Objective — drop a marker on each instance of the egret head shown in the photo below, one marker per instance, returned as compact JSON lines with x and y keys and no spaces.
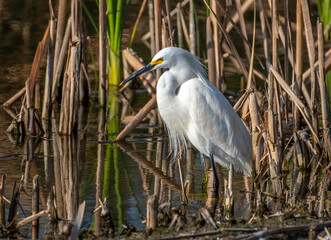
{"x":165,"y":58}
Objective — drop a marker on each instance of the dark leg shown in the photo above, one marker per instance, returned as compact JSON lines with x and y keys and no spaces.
{"x":212,"y":163}
{"x":204,"y":173}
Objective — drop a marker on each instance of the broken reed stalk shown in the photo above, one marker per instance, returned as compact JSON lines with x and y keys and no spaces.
{"x":31,"y":218}
{"x":325,"y":106}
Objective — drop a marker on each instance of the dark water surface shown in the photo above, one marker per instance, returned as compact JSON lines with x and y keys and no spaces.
{"x":127,"y":183}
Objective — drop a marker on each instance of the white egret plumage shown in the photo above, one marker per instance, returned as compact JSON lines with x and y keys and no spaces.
{"x":193,"y":109}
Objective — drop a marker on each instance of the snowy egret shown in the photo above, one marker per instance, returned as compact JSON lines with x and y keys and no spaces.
{"x":193,"y":109}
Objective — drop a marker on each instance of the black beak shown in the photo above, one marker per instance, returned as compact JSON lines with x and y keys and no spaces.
{"x":147,"y":68}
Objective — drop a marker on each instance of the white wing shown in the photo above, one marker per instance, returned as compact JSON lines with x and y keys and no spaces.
{"x":213,"y":126}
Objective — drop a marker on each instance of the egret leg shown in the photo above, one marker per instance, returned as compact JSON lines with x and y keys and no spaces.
{"x":202,"y":163}
{"x":212,"y":163}
{"x":204,"y":173}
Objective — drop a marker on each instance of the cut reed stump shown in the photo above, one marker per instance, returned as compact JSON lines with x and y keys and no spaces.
{"x":152,"y":206}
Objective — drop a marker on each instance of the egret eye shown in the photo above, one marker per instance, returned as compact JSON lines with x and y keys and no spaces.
{"x":158,"y":61}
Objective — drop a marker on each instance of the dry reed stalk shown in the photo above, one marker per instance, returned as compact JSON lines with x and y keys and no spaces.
{"x":158,"y":160}
{"x":141,"y":10}
{"x":181,"y":177}
{"x":147,"y":79}
{"x":254,"y":115}
{"x":250,"y":56}
{"x":33,"y":217}
{"x":65,"y":110}
{"x":264,"y":34}
{"x":30,"y":110}
{"x":325,"y":106}
{"x":300,"y":105}
{"x":167,"y":4}
{"x":208,"y":218}
{"x":229,"y":41}
{"x":34,"y":68}
{"x":137,"y":119}
{"x":2,"y":200}
{"x":102,"y":54}
{"x":185,"y":31}
{"x":151,"y":27}
{"x":35,"y":206}
{"x":61,"y":24}
{"x":49,"y":173}
{"x":151,"y":215}
{"x":298,"y":61}
{"x":274,"y":160}
{"x":228,"y":192}
{"x":158,"y":24}
{"x":189,"y":170}
{"x":235,"y":18}
{"x":164,"y":35}
{"x":193,"y":45}
{"x":324,"y":185}
{"x":216,"y":44}
{"x":58,"y":68}
{"x":179,"y":27}
{"x":46,"y":111}
{"x":150,"y":34}
{"x":243,"y":31}
{"x":311,"y":55}
{"x":56,"y":139}
{"x":327,"y":66}
{"x":210,"y":51}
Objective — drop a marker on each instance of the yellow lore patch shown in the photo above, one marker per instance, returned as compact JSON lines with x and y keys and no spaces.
{"x":156,"y":62}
